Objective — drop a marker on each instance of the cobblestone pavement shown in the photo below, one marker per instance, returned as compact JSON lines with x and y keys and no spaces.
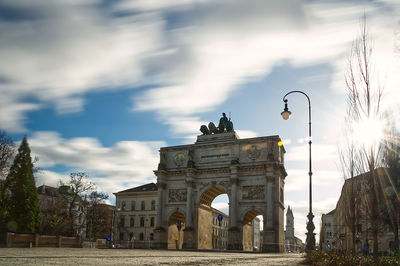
{"x":80,"y":256}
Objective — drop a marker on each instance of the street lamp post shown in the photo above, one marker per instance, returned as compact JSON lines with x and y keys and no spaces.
{"x":310,"y":241}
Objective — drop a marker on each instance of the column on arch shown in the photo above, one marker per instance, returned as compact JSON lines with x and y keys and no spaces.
{"x":234,"y":232}
{"x":189,"y":199}
{"x":160,"y":196}
{"x":189,"y":232}
{"x":160,"y":232}
{"x":268,"y":244}
{"x":233,"y":203}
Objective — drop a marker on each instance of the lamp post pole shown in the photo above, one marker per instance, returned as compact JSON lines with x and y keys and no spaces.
{"x":310,"y":240}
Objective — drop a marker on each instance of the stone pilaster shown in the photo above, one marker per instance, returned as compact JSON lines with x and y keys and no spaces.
{"x":234,"y":232}
{"x":160,"y":233}
{"x":160,"y":203}
{"x":189,"y":232}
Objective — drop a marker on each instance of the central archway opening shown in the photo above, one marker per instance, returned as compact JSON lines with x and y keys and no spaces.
{"x":213,"y":219}
{"x":252,"y":226}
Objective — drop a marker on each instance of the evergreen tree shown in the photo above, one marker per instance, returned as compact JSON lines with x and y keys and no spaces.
{"x":23,"y":201}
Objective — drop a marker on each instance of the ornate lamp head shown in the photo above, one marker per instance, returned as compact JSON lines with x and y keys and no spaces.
{"x":286,"y":113}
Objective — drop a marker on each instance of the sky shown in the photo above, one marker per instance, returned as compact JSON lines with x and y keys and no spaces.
{"x":99,"y":86}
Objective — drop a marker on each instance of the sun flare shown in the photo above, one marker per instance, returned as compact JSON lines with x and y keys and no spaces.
{"x":368,"y":132}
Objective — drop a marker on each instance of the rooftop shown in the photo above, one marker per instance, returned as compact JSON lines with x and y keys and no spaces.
{"x":143,"y":188}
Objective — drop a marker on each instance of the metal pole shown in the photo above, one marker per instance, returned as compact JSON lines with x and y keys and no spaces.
{"x":310,"y":241}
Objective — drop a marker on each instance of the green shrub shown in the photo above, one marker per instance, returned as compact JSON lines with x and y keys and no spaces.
{"x":337,"y":258}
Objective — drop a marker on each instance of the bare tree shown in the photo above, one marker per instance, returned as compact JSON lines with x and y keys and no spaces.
{"x":364,"y":101}
{"x":352,"y":199}
{"x":74,"y":191}
{"x":97,"y":215}
{"x":7,"y":152}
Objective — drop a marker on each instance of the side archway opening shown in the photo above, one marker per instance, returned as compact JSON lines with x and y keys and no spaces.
{"x":176,"y":225}
{"x":252,"y":231}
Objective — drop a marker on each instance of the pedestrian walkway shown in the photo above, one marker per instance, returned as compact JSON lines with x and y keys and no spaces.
{"x":81,"y":256}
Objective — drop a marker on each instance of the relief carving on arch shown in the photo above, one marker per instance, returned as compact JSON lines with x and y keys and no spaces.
{"x":253,"y":153}
{"x":253,"y":192}
{"x":177,"y":195}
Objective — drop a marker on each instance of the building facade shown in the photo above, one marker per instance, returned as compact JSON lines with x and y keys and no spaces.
{"x":256,"y":235}
{"x":135,"y":216}
{"x":327,"y":237}
{"x":356,"y":211}
{"x":250,"y":171}
{"x":219,"y":230}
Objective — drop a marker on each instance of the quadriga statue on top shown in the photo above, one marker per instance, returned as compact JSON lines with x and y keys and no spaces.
{"x":225,"y":125}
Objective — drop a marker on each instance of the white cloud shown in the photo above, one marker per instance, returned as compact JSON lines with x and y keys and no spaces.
{"x":320,"y":152}
{"x":64,"y":50}
{"x":298,"y":179}
{"x":126,"y":164}
{"x":49,"y":178}
{"x":244,"y":134}
{"x":221,"y":206}
{"x":60,"y":51}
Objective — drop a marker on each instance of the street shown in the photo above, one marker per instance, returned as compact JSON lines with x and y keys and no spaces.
{"x":79,"y":256}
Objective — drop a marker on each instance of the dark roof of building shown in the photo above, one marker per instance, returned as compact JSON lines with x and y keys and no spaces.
{"x":143,"y":188}
{"x":106,"y":206}
{"x":47,"y":190}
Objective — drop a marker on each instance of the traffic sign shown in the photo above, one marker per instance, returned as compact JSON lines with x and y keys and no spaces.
{"x":220,"y":217}
{"x":179,"y":225}
{"x":108,"y":238}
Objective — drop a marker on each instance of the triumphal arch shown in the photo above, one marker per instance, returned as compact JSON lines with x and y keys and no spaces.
{"x":250,"y":171}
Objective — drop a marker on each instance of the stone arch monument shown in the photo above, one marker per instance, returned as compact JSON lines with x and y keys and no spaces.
{"x":251,"y":171}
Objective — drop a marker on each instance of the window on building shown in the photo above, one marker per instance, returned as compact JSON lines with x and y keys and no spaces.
{"x":123,"y":204}
{"x":153,"y":205}
{"x":121,"y":236}
{"x":132,"y":222}
{"x":130,"y":236}
{"x":141,"y":236}
{"x":133,"y":205}
{"x":151,"y":236}
{"x":281,"y":195}
{"x":143,"y":206}
{"x":152,"y":221}
{"x":122,"y":221}
{"x":141,"y":221}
